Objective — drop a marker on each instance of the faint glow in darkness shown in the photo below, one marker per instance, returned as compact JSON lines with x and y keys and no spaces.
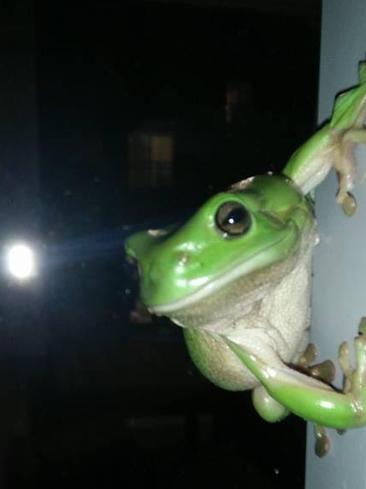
{"x":21,"y":261}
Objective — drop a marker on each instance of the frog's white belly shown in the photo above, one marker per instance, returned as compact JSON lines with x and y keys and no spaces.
{"x":275,"y":328}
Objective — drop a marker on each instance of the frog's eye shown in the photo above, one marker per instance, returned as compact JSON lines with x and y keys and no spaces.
{"x":233,"y":219}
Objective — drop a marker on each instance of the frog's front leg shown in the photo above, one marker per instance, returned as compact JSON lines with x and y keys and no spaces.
{"x":332,"y":146}
{"x":310,"y":398}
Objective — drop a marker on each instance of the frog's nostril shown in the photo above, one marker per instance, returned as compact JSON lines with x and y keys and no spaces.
{"x":183,"y":259}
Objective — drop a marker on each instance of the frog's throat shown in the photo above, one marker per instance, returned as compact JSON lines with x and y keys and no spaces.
{"x":257,"y":261}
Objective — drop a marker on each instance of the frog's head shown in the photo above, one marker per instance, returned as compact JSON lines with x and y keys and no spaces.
{"x":234,"y":236}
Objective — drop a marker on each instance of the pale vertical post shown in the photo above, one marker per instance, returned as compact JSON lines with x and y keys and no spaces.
{"x":339,"y":292}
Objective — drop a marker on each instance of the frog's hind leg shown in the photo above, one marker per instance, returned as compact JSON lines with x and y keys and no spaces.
{"x":311,"y":398}
{"x":271,"y":410}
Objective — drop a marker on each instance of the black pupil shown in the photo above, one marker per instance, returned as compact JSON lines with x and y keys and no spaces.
{"x":236,"y":215}
{"x":232,"y":218}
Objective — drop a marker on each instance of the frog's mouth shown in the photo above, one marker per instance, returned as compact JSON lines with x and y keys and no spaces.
{"x":257,"y":262}
{"x":210,"y":287}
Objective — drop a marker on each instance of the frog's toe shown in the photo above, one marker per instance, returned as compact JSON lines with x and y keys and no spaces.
{"x":362,"y":326}
{"x":324,"y":371}
{"x":308,"y":356}
{"x":347,"y":202}
{"x":322,"y":443}
{"x":345,"y":365}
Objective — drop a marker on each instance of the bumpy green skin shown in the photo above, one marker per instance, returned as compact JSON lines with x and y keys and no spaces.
{"x":193,"y":274}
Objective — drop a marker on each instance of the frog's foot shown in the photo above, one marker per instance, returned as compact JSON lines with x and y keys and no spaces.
{"x":345,"y":166}
{"x":332,"y":146}
{"x":353,"y":379}
{"x":348,"y":124}
{"x":324,"y":371}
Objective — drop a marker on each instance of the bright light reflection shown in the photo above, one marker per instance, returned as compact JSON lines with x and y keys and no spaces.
{"x":326,"y":404}
{"x":20,"y":261}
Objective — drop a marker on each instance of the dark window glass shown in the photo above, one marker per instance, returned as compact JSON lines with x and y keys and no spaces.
{"x":117,"y":116}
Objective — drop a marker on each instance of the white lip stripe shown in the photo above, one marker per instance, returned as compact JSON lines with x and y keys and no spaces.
{"x":234,"y":273}
{"x":309,"y":238}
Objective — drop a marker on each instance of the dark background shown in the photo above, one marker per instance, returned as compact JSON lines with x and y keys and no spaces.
{"x":90,"y":397}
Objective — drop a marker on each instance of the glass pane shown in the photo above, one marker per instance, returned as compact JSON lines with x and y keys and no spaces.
{"x":116,"y":117}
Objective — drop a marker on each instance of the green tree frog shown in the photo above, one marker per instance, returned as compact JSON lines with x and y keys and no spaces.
{"x":236,"y":277}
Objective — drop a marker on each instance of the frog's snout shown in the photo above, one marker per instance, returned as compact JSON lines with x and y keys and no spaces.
{"x":174,"y":264}
{"x":160,"y":275}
